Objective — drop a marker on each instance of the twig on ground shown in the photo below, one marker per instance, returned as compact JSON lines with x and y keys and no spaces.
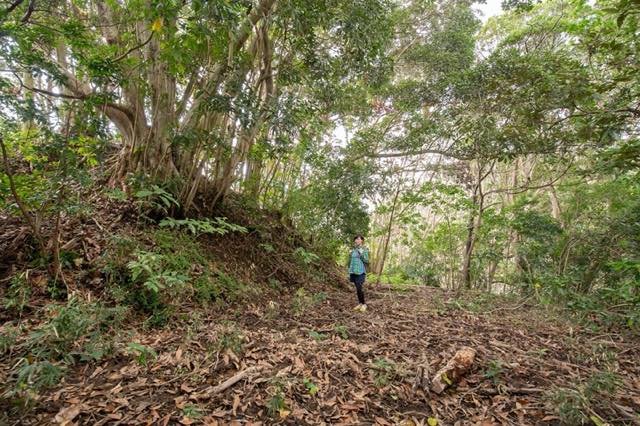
{"x":231,"y":381}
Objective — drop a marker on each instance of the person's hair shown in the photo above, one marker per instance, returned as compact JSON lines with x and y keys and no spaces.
{"x":358,"y":236}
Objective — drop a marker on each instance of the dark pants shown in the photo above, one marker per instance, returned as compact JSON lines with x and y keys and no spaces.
{"x":358,"y":280}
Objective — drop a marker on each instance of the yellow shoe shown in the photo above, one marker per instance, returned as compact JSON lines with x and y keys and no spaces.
{"x":357,"y":307}
{"x":363,"y":308}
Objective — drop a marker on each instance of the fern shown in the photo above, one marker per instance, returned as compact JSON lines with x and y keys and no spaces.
{"x":156,"y":198}
{"x":218,"y":225}
{"x":148,"y":268}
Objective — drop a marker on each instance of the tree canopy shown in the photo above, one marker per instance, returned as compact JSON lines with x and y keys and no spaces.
{"x":166,"y":154}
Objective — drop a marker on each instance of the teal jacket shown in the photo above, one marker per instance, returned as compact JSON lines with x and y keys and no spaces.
{"x":358,"y":259}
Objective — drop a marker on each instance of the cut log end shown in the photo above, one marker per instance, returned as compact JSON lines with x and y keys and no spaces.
{"x":455,"y":368}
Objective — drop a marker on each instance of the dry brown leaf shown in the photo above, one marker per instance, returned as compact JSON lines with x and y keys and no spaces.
{"x":165,"y":420}
{"x":66,"y":415}
{"x":97,"y":371}
{"x":185,"y":388}
{"x":365,"y":349}
{"x":210,"y":421}
{"x":349,"y":407}
{"x":236,"y":404}
{"x":186,"y":420}
{"x":180,"y":402}
{"x":486,"y":422}
{"x":381,"y":421}
{"x":299,"y":363}
{"x":220,"y":413}
{"x":178,"y":354}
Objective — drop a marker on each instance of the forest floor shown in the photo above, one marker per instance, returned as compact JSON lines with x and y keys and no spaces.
{"x":311,"y":359}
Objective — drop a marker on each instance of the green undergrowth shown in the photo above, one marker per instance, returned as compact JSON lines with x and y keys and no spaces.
{"x":164,"y":270}
{"x":148,"y":277}
{"x":483,"y":302}
{"x":68,"y":334}
{"x":588,"y":402}
{"x":600,"y":310}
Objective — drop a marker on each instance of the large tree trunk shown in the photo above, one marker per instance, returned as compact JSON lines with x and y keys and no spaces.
{"x":149,"y":113}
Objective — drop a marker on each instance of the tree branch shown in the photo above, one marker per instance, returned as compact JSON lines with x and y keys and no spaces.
{"x":522,"y":189}
{"x":12,"y":186}
{"x":27,"y":14}
{"x":141,"y":45}
{"x":12,"y":6}
{"x":413,"y":153}
{"x":78,"y":96}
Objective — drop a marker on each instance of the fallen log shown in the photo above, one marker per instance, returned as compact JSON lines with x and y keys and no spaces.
{"x":451,"y":373}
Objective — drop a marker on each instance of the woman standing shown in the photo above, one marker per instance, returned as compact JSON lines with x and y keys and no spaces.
{"x":358,"y":259}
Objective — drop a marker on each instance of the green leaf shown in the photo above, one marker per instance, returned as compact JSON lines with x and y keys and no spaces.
{"x":317,"y":336}
{"x":446,"y":379}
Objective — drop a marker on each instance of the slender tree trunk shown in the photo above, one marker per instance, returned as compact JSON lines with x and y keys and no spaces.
{"x":387,"y":240}
{"x":555,"y":203}
{"x":468,"y":247}
{"x":473,"y":225}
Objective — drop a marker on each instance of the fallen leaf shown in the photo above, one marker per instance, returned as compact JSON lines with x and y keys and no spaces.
{"x":185,"y":388}
{"x":597,"y":421}
{"x":236,"y":403}
{"x":165,"y":420}
{"x":284,"y":413}
{"x":364,"y":348}
{"x":382,"y":421}
{"x":180,"y":402}
{"x":122,"y":401}
{"x":66,"y":415}
{"x":97,"y":371}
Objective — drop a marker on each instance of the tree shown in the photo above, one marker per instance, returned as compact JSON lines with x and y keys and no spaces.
{"x":191,"y":87}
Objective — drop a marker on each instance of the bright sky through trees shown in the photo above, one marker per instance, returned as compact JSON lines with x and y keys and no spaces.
{"x":489,"y":9}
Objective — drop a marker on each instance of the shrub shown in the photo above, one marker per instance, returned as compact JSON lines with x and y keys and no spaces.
{"x":155,"y":199}
{"x":18,"y":294}
{"x":143,"y":353}
{"x":33,"y":377}
{"x":231,"y":338}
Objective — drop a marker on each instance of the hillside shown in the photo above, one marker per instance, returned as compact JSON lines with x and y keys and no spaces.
{"x":248,"y":307}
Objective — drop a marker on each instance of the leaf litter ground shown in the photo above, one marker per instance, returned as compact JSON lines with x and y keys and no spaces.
{"x":313,"y":360}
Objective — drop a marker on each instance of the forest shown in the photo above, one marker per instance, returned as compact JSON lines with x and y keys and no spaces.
{"x":181,"y":182}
